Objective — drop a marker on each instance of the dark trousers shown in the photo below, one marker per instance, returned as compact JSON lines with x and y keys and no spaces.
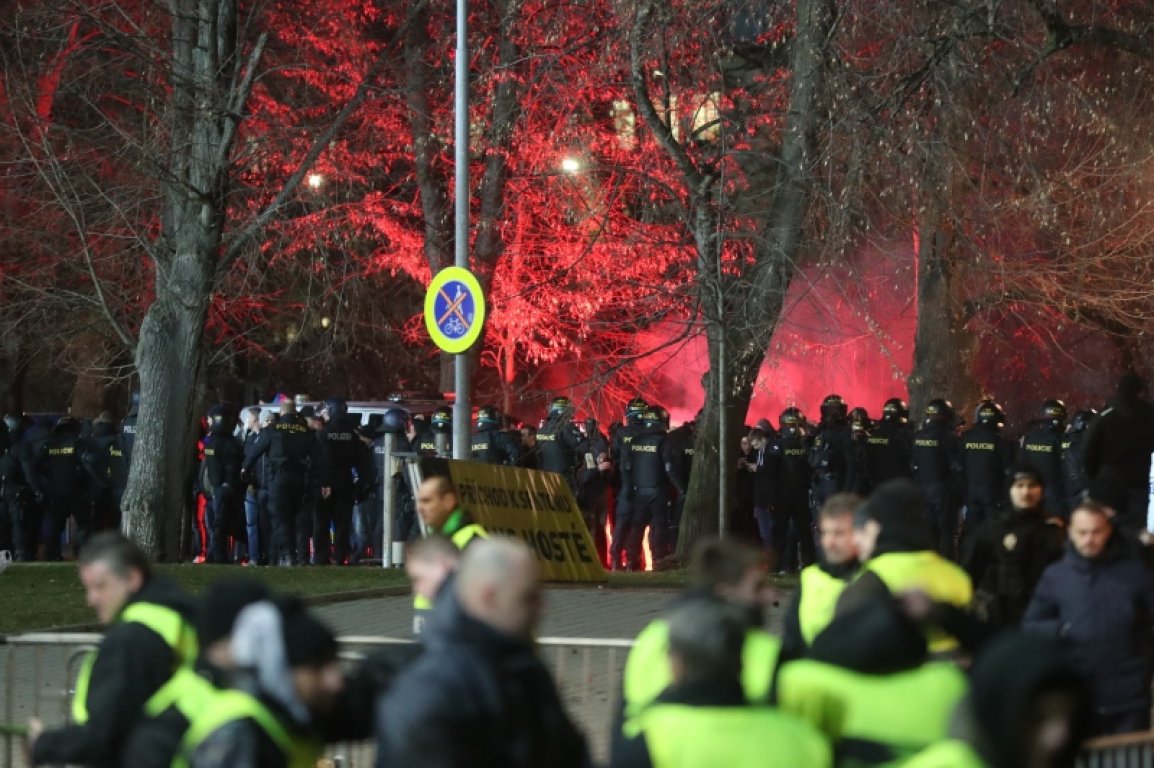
{"x":941,"y":517}
{"x":336,"y":512}
{"x":793,"y":510}
{"x":59,"y":509}
{"x":594,"y":508}
{"x":660,"y":536}
{"x":622,"y":522}
{"x":290,"y":521}
{"x":224,"y":519}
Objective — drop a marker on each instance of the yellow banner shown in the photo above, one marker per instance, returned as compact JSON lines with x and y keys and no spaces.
{"x":536,"y":507}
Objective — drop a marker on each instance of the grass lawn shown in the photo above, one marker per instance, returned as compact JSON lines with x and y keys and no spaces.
{"x":38,"y":596}
{"x":46,"y":595}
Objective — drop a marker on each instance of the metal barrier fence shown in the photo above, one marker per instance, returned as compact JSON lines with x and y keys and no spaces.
{"x":40,"y":671}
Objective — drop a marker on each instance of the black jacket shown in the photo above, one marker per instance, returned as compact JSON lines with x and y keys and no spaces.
{"x":1122,"y":439}
{"x":476,"y":699}
{"x":1105,"y":609}
{"x":131,"y":664}
{"x":1006,"y":560}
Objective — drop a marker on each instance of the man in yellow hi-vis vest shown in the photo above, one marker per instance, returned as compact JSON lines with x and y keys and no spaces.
{"x":149,"y":637}
{"x":439,"y":506}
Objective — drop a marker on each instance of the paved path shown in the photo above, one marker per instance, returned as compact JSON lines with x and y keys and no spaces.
{"x":589,"y":677}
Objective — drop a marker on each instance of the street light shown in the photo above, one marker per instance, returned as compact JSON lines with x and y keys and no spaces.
{"x":571,"y":165}
{"x":315,"y":181}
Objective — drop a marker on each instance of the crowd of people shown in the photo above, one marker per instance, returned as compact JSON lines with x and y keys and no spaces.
{"x":883,"y":659}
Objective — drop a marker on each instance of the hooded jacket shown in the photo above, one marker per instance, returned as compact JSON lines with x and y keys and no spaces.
{"x":1104,"y":609}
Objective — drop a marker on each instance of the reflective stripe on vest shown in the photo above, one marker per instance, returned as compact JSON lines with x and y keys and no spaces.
{"x":187,"y":691}
{"x":950,"y":753}
{"x":819,"y":594}
{"x":461,"y":538}
{"x":164,"y":621}
{"x":928,"y":572}
{"x":682,"y":736}
{"x":230,"y":706}
{"x":875,"y":718}
{"x":647,"y":672}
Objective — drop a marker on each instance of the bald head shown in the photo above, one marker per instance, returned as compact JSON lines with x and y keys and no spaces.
{"x":497,"y":584}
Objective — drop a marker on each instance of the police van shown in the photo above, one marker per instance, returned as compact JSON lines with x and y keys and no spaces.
{"x":365,"y":412}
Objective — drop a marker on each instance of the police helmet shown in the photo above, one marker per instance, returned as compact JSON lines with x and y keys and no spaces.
{"x":663,"y":415}
{"x":442,"y":419}
{"x":560,"y":406}
{"x":218,"y":418}
{"x":940,"y":409}
{"x":334,"y":409}
{"x":895,"y":410}
{"x":394,"y":421}
{"x":833,"y":408}
{"x":990,"y":414}
{"x":13,"y":422}
{"x":1083,"y":419}
{"x":1054,"y":411}
{"x":790,"y":419}
{"x":633,"y":411}
{"x":488,"y":416}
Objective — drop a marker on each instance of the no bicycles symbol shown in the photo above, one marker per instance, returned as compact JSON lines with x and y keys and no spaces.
{"x":454,"y":310}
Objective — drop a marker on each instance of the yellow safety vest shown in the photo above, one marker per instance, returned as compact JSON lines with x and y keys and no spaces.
{"x":683,"y":736}
{"x":819,"y":594}
{"x":647,"y":671}
{"x":928,"y":572}
{"x":873,"y":719}
{"x":176,"y":632}
{"x":229,"y":706}
{"x":461,"y":538}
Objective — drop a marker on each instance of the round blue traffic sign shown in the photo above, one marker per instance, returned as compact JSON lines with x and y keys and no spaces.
{"x":454,"y":309}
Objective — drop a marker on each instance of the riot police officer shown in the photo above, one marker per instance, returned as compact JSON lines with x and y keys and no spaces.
{"x":560,"y":444}
{"x":1042,"y":449}
{"x":831,"y":456}
{"x":679,"y":447}
{"x":128,"y":429}
{"x":17,"y":504}
{"x":618,"y":455}
{"x":935,"y":463}
{"x":491,"y":444}
{"x":423,"y":441}
{"x":593,"y":487}
{"x":792,"y":510}
{"x":64,"y":467}
{"x":110,"y":474}
{"x":1074,"y":478}
{"x":986,"y":458}
{"x":890,"y":442}
{"x":289,"y":453}
{"x":648,"y":482}
{"x":221,"y":483}
{"x":438,"y":441}
{"x":344,"y":470}
{"x":861,"y":427}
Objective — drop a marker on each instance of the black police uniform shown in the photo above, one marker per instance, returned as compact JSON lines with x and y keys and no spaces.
{"x":986,"y":458}
{"x":679,"y":447}
{"x":342,"y":454}
{"x":831,"y":461}
{"x":1042,"y":449}
{"x":792,"y":504}
{"x":644,"y":471}
{"x":289,"y":452}
{"x":1074,"y":478}
{"x":935,"y":463}
{"x":561,"y":448}
{"x":17,"y":506}
{"x":64,"y":479}
{"x":220,"y":479}
{"x":593,"y":489}
{"x":623,"y":491}
{"x":889,"y":448}
{"x":109,"y":476}
{"x":495,"y":446}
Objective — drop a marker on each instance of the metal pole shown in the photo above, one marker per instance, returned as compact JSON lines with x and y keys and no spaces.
{"x":722,"y":437}
{"x":388,"y":502}
{"x":462,"y":412}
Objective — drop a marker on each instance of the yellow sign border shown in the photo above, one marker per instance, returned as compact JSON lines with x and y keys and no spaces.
{"x":460,"y":275}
